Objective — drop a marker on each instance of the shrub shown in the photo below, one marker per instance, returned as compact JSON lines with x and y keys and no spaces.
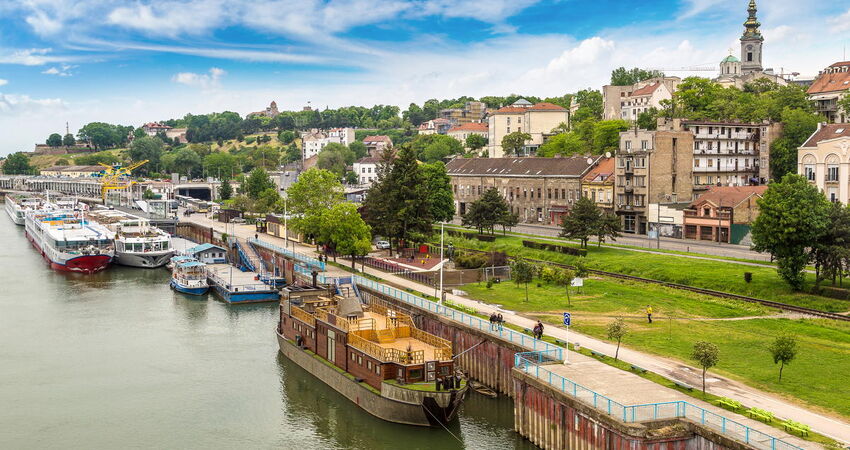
{"x":485,"y":238}
{"x":833,"y":292}
{"x":471,"y":260}
{"x":748,"y":276}
{"x":568,"y":250}
{"x":490,"y":284}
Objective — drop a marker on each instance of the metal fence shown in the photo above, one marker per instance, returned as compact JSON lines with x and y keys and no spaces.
{"x":530,"y":363}
{"x":301,"y":257}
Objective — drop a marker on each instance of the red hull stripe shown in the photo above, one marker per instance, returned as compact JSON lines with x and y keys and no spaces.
{"x":84,"y":264}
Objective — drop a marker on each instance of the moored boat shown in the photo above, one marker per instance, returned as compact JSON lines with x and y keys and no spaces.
{"x":189,"y":276}
{"x":371,"y":354}
{"x":17,"y":206}
{"x":68,"y":241}
{"x":137,"y":242}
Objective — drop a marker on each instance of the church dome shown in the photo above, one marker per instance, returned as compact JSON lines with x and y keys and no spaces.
{"x":730,"y":58}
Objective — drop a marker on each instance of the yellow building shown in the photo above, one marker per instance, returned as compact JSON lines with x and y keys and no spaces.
{"x":598,"y":184}
{"x":537,"y":120}
{"x":71,"y":171}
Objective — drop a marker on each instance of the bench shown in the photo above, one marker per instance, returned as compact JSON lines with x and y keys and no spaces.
{"x":798,"y":427}
{"x":760,"y":414}
{"x":638,"y":369}
{"x":683,"y":385}
{"x":560,"y":342}
{"x":597,"y":354}
{"x":728,"y":402}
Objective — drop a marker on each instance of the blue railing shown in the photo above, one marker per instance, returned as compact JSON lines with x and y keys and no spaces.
{"x":530,"y":363}
{"x":243,"y":255}
{"x":553,"y":351}
{"x":300,"y":257}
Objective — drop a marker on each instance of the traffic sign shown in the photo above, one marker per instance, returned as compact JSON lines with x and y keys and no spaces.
{"x":567,"y":318}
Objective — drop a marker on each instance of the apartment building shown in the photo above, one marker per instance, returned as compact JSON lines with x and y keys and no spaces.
{"x":824,"y":160}
{"x":538,"y":120}
{"x":832,"y":84}
{"x":598,"y":184}
{"x":724,"y":214}
{"x":472,"y":112}
{"x":651,"y":167}
{"x":462,"y":132}
{"x":539,"y":190}
{"x":627,"y":102}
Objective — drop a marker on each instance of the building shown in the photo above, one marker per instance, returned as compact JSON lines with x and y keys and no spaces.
{"x":435,"y":126}
{"x":376,"y":145}
{"x":461,"y":132}
{"x":343,"y":136}
{"x":824,"y":160}
{"x":539,"y":190}
{"x":730,"y":153}
{"x":537,"y":120}
{"x":598,"y":184}
{"x":366,"y":169}
{"x":271,"y":111}
{"x":627,"y":102}
{"x":723,"y":214}
{"x":154,"y":128}
{"x":738,"y":72}
{"x":831,"y":85}
{"x":71,"y":171}
{"x":666,"y":219}
{"x":471,"y":112}
{"x":208,"y":254}
{"x":315,"y":140}
{"x":178,"y":135}
{"x":651,"y":167}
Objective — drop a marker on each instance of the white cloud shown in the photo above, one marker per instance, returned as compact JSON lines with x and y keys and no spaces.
{"x":203,"y":81}
{"x":43,"y":24}
{"x":170,"y":18}
{"x":840,"y":23}
{"x":778,"y":34}
{"x":3,"y":82}
{"x":30,"y":57}
{"x":63,"y":70}
{"x":24,"y":106}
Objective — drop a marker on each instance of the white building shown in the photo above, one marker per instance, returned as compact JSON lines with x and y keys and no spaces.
{"x":314,"y":141}
{"x":366,"y":170}
{"x":344,"y":136}
{"x":462,"y":132}
{"x":537,"y":120}
{"x":627,"y":102}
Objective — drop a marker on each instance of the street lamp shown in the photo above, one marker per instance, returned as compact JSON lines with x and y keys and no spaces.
{"x":442,"y":232}
{"x":285,"y":227}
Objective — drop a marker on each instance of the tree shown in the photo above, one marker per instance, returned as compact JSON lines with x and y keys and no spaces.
{"x":616,"y":331}
{"x":487,"y":212}
{"x":226,"y":191}
{"x":435,"y":147}
{"x":798,"y":125}
{"x":186,"y":161}
{"x":103,"y":135}
{"x":241,"y":203}
{"x":258,"y":182}
{"x":315,"y":192}
{"x":582,"y":222}
{"x":68,"y":140}
{"x":291,"y":154}
{"x":220,"y":165}
{"x":792,"y":215}
{"x":606,"y":135}
{"x":590,"y":106}
{"x":335,"y":158}
{"x":439,"y":188}
{"x":514,"y":143}
{"x":706,"y":355}
{"x":343,"y":229}
{"x":54,"y":140}
{"x":268,"y":201}
{"x":564,"y":144}
{"x":148,"y":194}
{"x":784,"y":350}
{"x":286,"y":137}
{"x":17,"y":164}
{"x":609,"y":226}
{"x":475,"y":142}
{"x":623,"y":77}
{"x":522,"y":272}
{"x":648,"y":120}
{"x":831,"y":250}
{"x":844,"y":104}
{"x":146,"y":148}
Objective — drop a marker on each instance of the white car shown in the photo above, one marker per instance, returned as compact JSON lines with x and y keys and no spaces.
{"x":382,"y":245}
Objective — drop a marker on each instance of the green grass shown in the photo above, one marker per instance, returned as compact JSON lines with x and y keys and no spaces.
{"x":716,"y":275}
{"x":425,"y":386}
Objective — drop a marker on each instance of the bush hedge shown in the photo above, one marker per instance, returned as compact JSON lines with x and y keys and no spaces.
{"x":555,"y":248}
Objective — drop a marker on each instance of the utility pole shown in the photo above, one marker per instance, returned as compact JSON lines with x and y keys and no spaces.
{"x":442,"y":230}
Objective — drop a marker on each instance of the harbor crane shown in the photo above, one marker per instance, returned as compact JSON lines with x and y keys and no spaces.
{"x":114,"y":178}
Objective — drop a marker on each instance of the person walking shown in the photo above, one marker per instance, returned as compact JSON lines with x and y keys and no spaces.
{"x":492,"y":320}
{"x":649,"y":313}
{"x":500,"y":321}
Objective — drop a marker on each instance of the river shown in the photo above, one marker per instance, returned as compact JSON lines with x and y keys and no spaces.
{"x":117,"y":360}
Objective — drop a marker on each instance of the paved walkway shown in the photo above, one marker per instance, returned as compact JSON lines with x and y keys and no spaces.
{"x":830,"y":426}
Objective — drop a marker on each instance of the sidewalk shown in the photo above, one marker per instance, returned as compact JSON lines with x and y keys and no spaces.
{"x":826,"y":425}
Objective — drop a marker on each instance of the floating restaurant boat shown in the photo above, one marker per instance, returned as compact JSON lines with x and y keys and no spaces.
{"x":137,"y":242}
{"x":371,"y":354}
{"x":17,"y":206}
{"x":68,"y":241}
{"x":189,"y":276}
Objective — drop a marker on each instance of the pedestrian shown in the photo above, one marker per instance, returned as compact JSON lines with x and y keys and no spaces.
{"x":500,"y":321}
{"x":492,"y":320}
{"x":649,"y":313}
{"x":539,"y":330}
{"x":256,"y":236}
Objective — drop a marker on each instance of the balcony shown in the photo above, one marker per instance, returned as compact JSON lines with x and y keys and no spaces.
{"x":694,"y":214}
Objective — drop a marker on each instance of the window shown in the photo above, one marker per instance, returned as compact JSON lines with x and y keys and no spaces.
{"x":628,"y":146}
{"x":809,"y":171}
{"x":710,"y":163}
{"x":696,"y":163}
{"x":564,"y":194}
{"x":749,"y":56}
{"x":832,"y":173}
{"x":509,"y":128}
{"x":549,"y":193}
{"x":359,"y":360}
{"x":644,"y":145}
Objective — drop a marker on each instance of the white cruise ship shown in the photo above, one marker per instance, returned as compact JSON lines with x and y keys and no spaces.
{"x":17,"y":206}
{"x":137,"y":242}
{"x":68,"y":241}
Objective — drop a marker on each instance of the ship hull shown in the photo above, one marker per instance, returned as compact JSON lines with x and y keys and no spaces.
{"x":187,"y":290}
{"x":87,"y":264}
{"x":11,"y":210}
{"x":146,"y":260}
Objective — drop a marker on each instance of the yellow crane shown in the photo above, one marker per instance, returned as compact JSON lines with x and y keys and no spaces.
{"x":111,"y":180}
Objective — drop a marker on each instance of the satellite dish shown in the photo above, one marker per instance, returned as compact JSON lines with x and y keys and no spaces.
{"x":590,"y":160}
{"x":607,"y":154}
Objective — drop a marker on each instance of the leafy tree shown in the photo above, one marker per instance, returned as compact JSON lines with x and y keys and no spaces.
{"x":798,"y":125}
{"x":844,"y":104}
{"x":315,"y":192}
{"x":706,"y":355}
{"x":146,"y":148}
{"x":139,"y":133}
{"x":564,"y":144}
{"x":17,"y":164}
{"x":648,"y":120}
{"x":54,"y":140}
{"x":344,"y":230}
{"x":241,"y":203}
{"x":335,"y":158}
{"x":514,"y":143}
{"x":615,"y":331}
{"x":582,"y":221}
{"x":220,"y":165}
{"x":148,"y":195}
{"x":522,"y":272}
{"x":831,"y":250}
{"x":359,"y":149}
{"x":606,"y":135}
{"x":508,"y":220}
{"x":792,"y":215}
{"x":107,"y":158}
{"x":439,"y":189}
{"x":624,"y":77}
{"x":258,"y":182}
{"x":226,"y":191}
{"x":488,"y":211}
{"x":186,"y":161}
{"x":103,"y":135}
{"x":609,"y":226}
{"x":286,"y":137}
{"x":68,"y":140}
{"x":590,"y":106}
{"x":268,"y":201}
{"x":435,"y":147}
{"x":475,"y":142}
{"x":266,"y":157}
{"x":784,"y":350}
{"x":291,"y":154}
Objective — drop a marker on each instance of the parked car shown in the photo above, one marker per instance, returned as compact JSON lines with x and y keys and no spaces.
{"x":382,"y":245}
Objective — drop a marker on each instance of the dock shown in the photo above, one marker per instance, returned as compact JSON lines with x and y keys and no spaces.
{"x":239,"y":286}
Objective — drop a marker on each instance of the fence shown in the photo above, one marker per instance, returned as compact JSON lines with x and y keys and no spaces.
{"x":300,"y":257}
{"x":530,"y":363}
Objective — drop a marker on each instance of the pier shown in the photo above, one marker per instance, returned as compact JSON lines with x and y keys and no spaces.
{"x":237,"y":286}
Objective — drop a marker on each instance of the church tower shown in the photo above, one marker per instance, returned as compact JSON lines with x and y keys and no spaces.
{"x":751,"y":42}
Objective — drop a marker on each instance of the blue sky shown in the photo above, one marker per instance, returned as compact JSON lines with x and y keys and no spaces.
{"x":131,"y":62}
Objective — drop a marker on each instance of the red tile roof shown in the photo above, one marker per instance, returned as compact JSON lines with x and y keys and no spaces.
{"x":154,"y":125}
{"x":603,"y":170}
{"x":729,"y":196}
{"x":545,"y":106}
{"x":646,"y":90}
{"x":510,"y":110}
{"x":838,"y":80}
{"x":473,"y":126}
{"x":826,"y":132}
{"x":377,"y":139}
{"x":533,"y":167}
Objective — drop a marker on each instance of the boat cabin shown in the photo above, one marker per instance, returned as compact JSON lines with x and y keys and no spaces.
{"x":208,"y":254}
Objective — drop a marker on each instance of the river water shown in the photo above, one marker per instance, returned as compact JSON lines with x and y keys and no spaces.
{"x":117,"y":360}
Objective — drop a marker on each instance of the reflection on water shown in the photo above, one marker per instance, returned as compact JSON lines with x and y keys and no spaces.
{"x":117,"y":359}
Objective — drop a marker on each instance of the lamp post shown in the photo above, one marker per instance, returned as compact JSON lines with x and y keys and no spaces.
{"x":442,"y":230}
{"x":285,"y":227}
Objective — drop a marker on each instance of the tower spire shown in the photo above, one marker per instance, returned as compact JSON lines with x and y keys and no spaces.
{"x":751,"y":26}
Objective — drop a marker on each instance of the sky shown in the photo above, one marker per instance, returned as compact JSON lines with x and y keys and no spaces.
{"x":131,"y":62}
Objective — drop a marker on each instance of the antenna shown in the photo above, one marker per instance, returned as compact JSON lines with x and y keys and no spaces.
{"x":67,"y":130}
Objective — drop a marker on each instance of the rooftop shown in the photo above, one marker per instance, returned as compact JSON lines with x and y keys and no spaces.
{"x":574,"y":166}
{"x":74,"y":169}
{"x":377,"y":139}
{"x":602,"y":171}
{"x":472,"y":126}
{"x":729,"y":196}
{"x":646,"y":90}
{"x":826,"y":132}
{"x":835,"y":78}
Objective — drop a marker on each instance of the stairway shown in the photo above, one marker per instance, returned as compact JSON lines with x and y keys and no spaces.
{"x":385,"y":336}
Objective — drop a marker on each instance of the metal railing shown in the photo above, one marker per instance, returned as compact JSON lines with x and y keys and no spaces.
{"x":530,"y":363}
{"x":301,"y":257}
{"x":521,"y":339}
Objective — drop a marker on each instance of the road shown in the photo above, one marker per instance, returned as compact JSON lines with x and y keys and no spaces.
{"x":831,"y":426}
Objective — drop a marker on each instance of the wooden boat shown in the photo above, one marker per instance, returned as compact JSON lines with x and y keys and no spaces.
{"x":482,"y":389}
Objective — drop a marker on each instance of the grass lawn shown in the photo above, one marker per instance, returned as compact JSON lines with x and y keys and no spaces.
{"x":816,"y":377}
{"x":716,"y":275}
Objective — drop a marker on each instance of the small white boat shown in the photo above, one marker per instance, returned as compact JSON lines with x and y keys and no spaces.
{"x":189,"y":276}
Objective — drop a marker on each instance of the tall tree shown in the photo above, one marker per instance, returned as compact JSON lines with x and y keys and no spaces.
{"x":220,"y":165}
{"x":706,"y":355}
{"x":831,"y":250}
{"x":68,"y":140}
{"x":784,"y":350}
{"x":514,"y":143}
{"x":335,"y":158}
{"x":54,"y":140}
{"x":582,"y":221}
{"x":17,"y":164}
{"x":475,"y":142}
{"x":609,"y":226}
{"x":359,"y":149}
{"x":792,"y":215}
{"x":522,"y":272}
{"x":615,"y":331}
{"x":226,"y":190}
{"x":625,"y":77}
{"x":146,"y":148}
{"x":315,"y":192}
{"x":439,"y":188}
{"x":343,"y":229}
{"x":258,"y":182}
{"x":590,"y":106}
{"x":798,"y":125}
{"x":488,"y":211}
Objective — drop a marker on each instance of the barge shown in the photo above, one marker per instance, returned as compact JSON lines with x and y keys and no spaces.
{"x":68,"y":241}
{"x":137,"y":242}
{"x":18,"y":205}
{"x":371,"y":354}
